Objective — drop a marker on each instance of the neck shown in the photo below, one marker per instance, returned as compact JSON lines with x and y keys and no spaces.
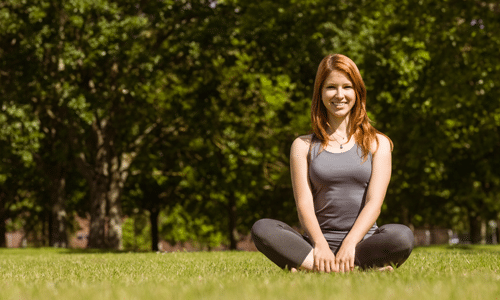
{"x":339,"y":125}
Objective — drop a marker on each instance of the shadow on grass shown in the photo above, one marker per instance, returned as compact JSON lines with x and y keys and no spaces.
{"x":92,"y":251}
{"x":38,"y":250}
{"x":475,"y":248}
{"x":48,"y":250}
{"x":461,"y":247}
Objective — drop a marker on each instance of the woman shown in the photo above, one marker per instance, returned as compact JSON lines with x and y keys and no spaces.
{"x":340,"y":175}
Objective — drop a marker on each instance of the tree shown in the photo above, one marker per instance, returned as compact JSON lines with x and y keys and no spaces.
{"x":19,"y":138}
{"x":87,"y":66}
{"x":215,"y":92}
{"x":431,"y":69}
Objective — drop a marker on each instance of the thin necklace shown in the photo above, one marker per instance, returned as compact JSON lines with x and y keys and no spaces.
{"x":337,"y":141}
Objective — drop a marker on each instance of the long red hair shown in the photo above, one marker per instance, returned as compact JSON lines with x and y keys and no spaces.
{"x":359,"y":124}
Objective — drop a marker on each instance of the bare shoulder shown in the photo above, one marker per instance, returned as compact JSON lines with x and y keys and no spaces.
{"x":383,"y":147}
{"x":300,"y":146}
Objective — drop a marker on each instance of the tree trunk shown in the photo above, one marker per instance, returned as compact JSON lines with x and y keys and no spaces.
{"x":3,"y":232}
{"x":106,"y":185}
{"x":153,"y":219}
{"x":58,"y":234}
{"x":98,"y":181}
{"x":3,"y":229}
{"x":405,"y":215}
{"x":43,"y":238}
{"x":477,"y":232}
{"x":48,"y":236}
{"x":483,"y":232}
{"x":115,"y":240}
{"x":232,"y":222}
{"x":106,"y":178}
{"x":497,"y":231}
{"x":97,"y":234}
{"x":118,"y":173}
{"x":55,"y":171}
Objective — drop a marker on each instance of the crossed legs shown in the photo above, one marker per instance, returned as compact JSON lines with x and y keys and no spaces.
{"x":391,"y":244}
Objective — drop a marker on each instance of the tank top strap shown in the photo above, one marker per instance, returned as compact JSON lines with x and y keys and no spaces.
{"x":313,"y":148}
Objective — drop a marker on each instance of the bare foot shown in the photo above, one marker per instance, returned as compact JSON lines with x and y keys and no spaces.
{"x":386,"y":269}
{"x":293,"y":270}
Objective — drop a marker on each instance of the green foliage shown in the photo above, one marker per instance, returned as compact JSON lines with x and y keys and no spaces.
{"x":441,"y":154}
{"x":19,"y":131}
{"x":136,"y":233}
{"x":178,"y":226}
{"x":199,"y":102}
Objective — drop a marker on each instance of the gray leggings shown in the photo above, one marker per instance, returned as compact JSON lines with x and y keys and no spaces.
{"x":391,"y":244}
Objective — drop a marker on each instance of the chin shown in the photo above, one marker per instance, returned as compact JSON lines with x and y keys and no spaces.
{"x":340,"y":114}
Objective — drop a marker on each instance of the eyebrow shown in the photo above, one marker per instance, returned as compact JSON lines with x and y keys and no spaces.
{"x":344,"y":83}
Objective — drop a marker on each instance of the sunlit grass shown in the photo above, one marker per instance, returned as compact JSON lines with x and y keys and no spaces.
{"x":430,"y":273}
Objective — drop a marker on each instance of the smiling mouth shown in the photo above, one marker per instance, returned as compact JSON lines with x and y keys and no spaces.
{"x":339,"y":104}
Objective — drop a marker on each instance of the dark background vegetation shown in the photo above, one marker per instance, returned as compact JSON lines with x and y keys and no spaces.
{"x":180,"y":114}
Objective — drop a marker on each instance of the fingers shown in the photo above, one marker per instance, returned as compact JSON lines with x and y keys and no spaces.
{"x":345,"y":260}
{"x":351,"y":264}
{"x":317,"y":263}
{"x":335,"y":267}
{"x":329,"y":267}
{"x":325,"y":265}
{"x":324,"y":260}
{"x":345,"y":265}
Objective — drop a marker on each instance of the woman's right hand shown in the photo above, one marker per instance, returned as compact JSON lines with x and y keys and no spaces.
{"x":324,"y":259}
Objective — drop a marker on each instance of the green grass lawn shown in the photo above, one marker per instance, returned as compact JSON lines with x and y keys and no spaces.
{"x":430,"y":273}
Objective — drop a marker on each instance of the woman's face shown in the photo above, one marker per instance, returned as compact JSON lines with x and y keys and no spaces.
{"x":338,"y":94}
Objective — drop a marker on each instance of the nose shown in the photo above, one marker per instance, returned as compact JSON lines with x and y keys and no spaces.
{"x":340,"y":93}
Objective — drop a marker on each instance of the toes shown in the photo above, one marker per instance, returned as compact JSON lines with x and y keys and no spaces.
{"x":386,"y":269}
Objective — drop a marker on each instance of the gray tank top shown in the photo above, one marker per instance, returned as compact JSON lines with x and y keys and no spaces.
{"x":339,"y":183}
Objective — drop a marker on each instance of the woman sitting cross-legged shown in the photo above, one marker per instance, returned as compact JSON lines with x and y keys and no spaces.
{"x":340,"y":175}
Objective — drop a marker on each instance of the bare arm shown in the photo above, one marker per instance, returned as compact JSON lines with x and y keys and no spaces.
{"x":324,"y":259}
{"x":377,"y":188}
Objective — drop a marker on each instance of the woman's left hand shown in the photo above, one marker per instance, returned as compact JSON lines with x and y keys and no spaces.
{"x":345,"y":258}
